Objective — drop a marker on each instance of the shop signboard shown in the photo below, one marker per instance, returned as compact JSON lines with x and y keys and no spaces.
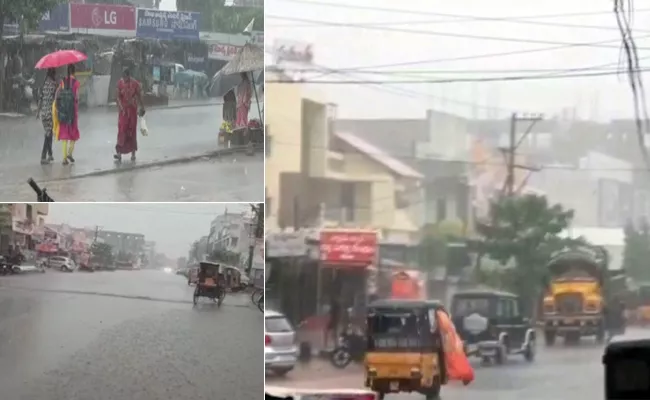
{"x":286,"y":244}
{"x":195,"y":61}
{"x":285,"y":50}
{"x":22,"y":226}
{"x":220,"y":51}
{"x":346,"y":247}
{"x":102,"y":19}
{"x":10,"y":29}
{"x":168,"y":25}
{"x":56,"y":20}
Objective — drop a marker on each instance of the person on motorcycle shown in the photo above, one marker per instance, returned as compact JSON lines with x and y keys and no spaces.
{"x":332,"y":328}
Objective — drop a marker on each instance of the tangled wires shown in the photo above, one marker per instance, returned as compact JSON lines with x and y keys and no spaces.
{"x":624,"y":9}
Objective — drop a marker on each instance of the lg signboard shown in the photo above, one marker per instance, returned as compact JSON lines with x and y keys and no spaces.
{"x":103,"y":19}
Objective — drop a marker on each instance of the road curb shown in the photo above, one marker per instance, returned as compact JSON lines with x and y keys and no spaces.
{"x":12,"y":116}
{"x":173,"y":107}
{"x":154,"y":164}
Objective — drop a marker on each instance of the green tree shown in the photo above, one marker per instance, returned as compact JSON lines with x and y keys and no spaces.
{"x":102,"y":253}
{"x":27,"y":13}
{"x":636,"y":252}
{"x":524,"y":231}
{"x":433,"y":249}
{"x":217,"y":17}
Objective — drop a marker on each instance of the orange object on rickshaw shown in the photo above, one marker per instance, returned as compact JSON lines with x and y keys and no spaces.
{"x":643,"y":305}
{"x":211,"y":283}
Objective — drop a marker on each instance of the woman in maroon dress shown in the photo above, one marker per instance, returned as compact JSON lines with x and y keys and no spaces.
{"x":129,"y":96}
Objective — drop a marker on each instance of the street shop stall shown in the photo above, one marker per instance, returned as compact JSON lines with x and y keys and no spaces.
{"x":248,"y":61}
{"x":333,"y":265}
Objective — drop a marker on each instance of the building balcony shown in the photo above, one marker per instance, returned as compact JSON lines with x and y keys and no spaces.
{"x":346,"y":217}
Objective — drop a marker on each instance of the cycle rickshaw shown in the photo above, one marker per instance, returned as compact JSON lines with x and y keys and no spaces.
{"x":211,"y":283}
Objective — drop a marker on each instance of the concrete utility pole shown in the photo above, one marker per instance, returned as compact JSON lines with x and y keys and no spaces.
{"x":97,"y":229}
{"x":257,"y":232}
{"x":513,"y":146}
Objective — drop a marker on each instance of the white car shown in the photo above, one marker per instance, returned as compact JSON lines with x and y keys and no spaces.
{"x":321,"y":394}
{"x":280,"y":349}
{"x":28,"y":269}
{"x":63,"y":264}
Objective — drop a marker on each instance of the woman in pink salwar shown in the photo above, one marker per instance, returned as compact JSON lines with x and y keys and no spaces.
{"x":244,"y":95}
{"x":68,"y":133}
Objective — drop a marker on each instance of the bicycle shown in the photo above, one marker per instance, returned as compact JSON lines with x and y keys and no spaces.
{"x":257,"y":293}
{"x":260,"y":303}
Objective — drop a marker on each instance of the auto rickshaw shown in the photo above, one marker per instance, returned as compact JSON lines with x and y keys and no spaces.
{"x":210,"y":283}
{"x":405,"y":350}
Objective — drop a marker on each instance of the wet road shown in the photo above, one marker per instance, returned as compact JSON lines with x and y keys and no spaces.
{"x":94,"y":336}
{"x":233,"y":178}
{"x":173,"y":133}
{"x":556,"y":372}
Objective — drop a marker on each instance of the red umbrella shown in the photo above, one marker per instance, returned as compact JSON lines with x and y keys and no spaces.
{"x":61,"y":58}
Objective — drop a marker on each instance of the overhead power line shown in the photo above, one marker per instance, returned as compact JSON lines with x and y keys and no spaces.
{"x":456,"y":18}
{"x":490,"y":55}
{"x":459,"y":80}
{"x":443,"y":34}
{"x":467,"y":17}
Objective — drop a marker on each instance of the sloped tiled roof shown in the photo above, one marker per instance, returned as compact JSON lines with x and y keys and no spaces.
{"x":396,"y":137}
{"x":374,"y":152}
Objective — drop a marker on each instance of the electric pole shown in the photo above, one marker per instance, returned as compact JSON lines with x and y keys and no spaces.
{"x":513,"y":146}
{"x":257,"y":232}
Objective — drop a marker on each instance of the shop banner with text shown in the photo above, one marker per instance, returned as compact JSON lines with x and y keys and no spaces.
{"x":168,"y":25}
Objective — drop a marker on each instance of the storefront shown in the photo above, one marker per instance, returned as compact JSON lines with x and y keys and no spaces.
{"x":22,"y":230}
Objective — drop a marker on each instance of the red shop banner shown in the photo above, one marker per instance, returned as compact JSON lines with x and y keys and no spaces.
{"x":348,"y":247}
{"x":103,"y":19}
{"x":224,"y":52}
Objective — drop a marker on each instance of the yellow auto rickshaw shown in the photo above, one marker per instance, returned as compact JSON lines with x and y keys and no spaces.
{"x":404,"y":348}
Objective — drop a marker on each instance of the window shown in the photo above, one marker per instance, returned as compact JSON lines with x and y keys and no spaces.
{"x":501,"y":308}
{"x":504,"y":308}
{"x":441,"y":210}
{"x":464,"y":307}
{"x":277,"y":325}
{"x":348,"y":200}
{"x":514,"y":306}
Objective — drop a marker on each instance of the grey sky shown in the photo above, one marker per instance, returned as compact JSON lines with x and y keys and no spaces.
{"x":172,"y":226}
{"x":339,"y":47}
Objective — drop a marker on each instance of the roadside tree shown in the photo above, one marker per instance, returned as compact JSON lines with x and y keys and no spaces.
{"x":524,"y":231}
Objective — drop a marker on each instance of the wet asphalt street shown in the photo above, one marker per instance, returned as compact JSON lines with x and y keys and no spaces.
{"x":124,"y":335}
{"x":557,"y":373}
{"x":173,"y":133}
{"x":233,"y":178}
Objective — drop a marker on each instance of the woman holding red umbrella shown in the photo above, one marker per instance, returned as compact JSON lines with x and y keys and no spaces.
{"x":65,"y":110}
{"x":67,"y":106}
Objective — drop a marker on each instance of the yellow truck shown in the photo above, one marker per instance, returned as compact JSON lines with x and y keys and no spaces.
{"x":576,"y":291}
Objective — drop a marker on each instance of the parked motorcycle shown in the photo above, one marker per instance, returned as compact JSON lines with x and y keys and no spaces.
{"x":22,"y":94}
{"x":10,"y":266}
{"x":351,"y":347}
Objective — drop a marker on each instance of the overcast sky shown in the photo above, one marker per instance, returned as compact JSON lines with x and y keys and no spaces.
{"x":172,"y":226}
{"x":344,"y":47}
